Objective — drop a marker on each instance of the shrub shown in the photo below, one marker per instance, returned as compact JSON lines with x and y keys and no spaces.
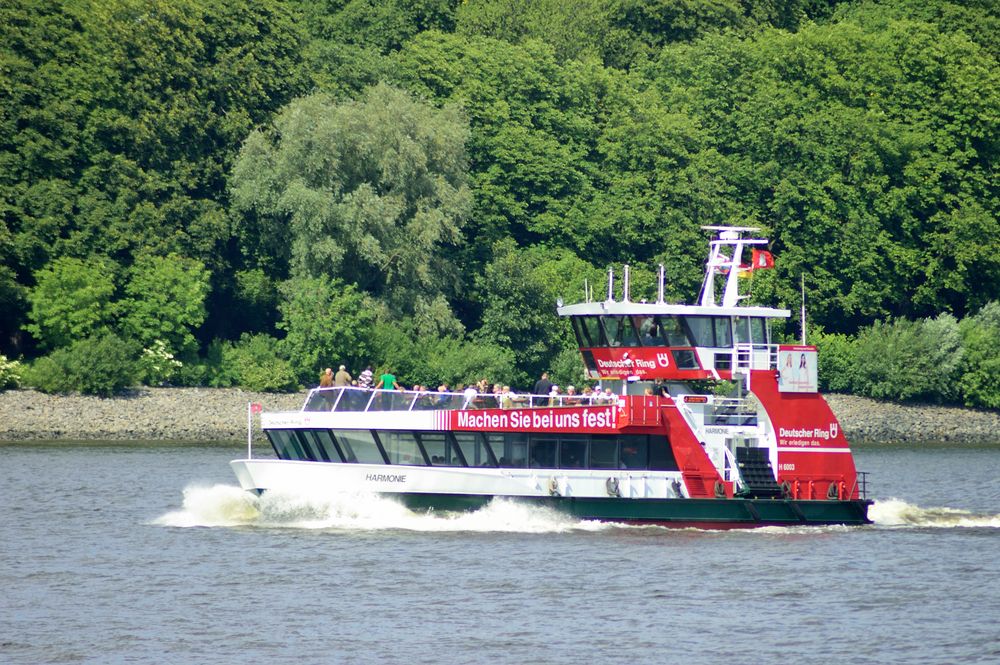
{"x":10,"y":373}
{"x":256,"y":364}
{"x":102,"y":365}
{"x":157,"y":365}
{"x":837,"y":358}
{"x":980,"y":380}
{"x":907,"y":360}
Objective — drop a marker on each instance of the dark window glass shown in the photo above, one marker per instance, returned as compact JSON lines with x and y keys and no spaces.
{"x":284,"y":444}
{"x":700,"y":330}
{"x":758,"y":333}
{"x":307,"y":449}
{"x":741,"y":330}
{"x":588,"y":361}
{"x":723,"y":332}
{"x":354,"y":400}
{"x":543,"y":453}
{"x":321,"y":400}
{"x":603,"y":452}
{"x":673,"y":334}
{"x":359,"y":446}
{"x":580,"y":331}
{"x":438,"y":449}
{"x":684,"y":359}
{"x":650,"y":331}
{"x":661,"y":455}
{"x":612,"y":326}
{"x":573,"y":452}
{"x":634,"y":451}
{"x":401,"y":447}
{"x":309,"y":439}
{"x":511,"y":450}
{"x":473,"y":445}
{"x":326,"y":443}
{"x":591,"y":327}
{"x":627,"y":331}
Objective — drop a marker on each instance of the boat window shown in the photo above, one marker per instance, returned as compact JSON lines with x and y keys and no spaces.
{"x":309,"y":442}
{"x":701,"y":330}
{"x":604,"y":452}
{"x":573,"y":452}
{"x":723,"y":332}
{"x":650,"y":331}
{"x":307,"y":449}
{"x":359,"y":446}
{"x":284,"y":444}
{"x":634,"y":451}
{"x":511,"y":450}
{"x":326,"y":444}
{"x":543,"y":453}
{"x":685,"y":359}
{"x":401,"y":447}
{"x":590,"y":331}
{"x":661,"y":455}
{"x":672,"y":332}
{"x":758,"y":333}
{"x":438,"y":449}
{"x":473,"y":446}
{"x":741,"y":330}
{"x":620,"y":331}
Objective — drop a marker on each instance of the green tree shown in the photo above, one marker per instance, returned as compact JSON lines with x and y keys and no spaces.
{"x":165,"y":300}
{"x":980,"y":382}
{"x":373,"y":191}
{"x":326,"y":323}
{"x":72,"y":299}
{"x":101,"y":365}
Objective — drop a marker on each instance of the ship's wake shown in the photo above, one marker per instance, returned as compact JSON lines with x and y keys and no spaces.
{"x":229,"y":506}
{"x":899,"y":513}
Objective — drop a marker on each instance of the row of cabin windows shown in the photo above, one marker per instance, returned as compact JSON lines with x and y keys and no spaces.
{"x":640,"y":330}
{"x":479,"y":449}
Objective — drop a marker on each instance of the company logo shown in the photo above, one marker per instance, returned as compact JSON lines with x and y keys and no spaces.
{"x":663,"y":359}
{"x":834,"y":429}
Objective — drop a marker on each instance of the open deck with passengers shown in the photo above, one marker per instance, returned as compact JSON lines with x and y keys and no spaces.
{"x":770,"y":452}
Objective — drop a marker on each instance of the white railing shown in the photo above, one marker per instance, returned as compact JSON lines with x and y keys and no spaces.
{"x":360,"y":399}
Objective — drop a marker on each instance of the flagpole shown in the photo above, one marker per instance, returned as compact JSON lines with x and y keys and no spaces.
{"x":802,"y":285}
{"x":249,"y":429}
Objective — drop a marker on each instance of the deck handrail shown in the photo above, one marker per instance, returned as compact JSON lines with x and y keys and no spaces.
{"x":351,"y":398}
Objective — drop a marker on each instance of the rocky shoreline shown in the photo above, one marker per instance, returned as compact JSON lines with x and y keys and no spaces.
{"x":216,"y":414}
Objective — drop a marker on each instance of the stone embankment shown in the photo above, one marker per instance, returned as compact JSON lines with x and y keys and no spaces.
{"x":210,"y":414}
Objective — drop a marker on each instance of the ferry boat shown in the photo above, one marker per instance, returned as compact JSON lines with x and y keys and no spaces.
{"x":769,"y":452}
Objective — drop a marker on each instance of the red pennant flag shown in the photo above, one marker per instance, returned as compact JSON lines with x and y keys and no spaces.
{"x":761,"y":259}
{"x":256,"y":407}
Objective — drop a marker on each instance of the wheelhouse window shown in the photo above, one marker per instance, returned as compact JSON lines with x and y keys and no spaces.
{"x":750,"y":330}
{"x":285,"y":444}
{"x":620,"y":331}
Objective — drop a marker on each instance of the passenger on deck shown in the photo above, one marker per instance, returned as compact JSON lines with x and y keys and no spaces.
{"x":343,"y":378}
{"x":470,"y":396}
{"x":507,"y":397}
{"x":326,"y":378}
{"x":543,"y":386}
{"x":572,"y":399}
{"x":387,"y":382}
{"x":588,"y":395}
{"x":555,"y":398}
{"x":366,"y":378}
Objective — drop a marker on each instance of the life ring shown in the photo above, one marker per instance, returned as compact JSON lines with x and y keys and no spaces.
{"x":553,"y":486}
{"x":833,"y":493}
{"x":611,"y":485}
{"x":720,"y":490}
{"x":786,"y":489}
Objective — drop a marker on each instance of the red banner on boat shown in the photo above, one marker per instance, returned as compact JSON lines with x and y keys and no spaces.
{"x":580,"y":420}
{"x":645,"y":363}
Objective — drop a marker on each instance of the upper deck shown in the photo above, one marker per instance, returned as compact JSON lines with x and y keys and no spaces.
{"x":622,"y":339}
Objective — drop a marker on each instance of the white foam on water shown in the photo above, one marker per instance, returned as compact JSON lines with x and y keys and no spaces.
{"x":218,"y":505}
{"x":899,"y":513}
{"x":228,"y":506}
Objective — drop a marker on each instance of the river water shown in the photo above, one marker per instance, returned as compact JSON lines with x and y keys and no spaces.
{"x":149,"y":553}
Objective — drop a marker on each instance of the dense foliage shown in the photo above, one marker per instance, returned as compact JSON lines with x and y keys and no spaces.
{"x":248,"y":192}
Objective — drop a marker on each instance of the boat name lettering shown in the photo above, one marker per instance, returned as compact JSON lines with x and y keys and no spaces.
{"x":816,"y":433}
{"x":626,"y":363}
{"x":386,"y":478}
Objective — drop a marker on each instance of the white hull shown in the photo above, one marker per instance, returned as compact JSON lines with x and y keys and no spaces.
{"x":314,"y":477}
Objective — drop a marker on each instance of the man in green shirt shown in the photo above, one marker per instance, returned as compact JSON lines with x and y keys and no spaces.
{"x":387,"y":382}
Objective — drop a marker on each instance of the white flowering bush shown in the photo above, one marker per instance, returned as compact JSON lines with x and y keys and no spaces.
{"x":10,"y":373}
{"x":157,"y":365}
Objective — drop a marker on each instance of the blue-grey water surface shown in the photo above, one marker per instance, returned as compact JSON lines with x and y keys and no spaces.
{"x":149,"y":553}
